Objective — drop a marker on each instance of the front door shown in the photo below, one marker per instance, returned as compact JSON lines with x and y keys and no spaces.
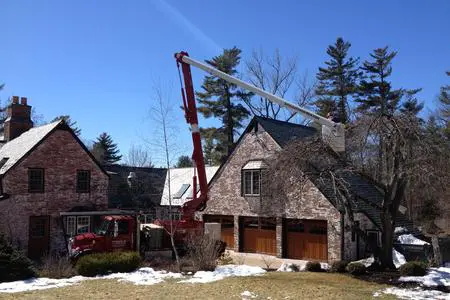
{"x":39,"y":236}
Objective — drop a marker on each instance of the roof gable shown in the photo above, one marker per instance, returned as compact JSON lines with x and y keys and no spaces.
{"x":14,"y":150}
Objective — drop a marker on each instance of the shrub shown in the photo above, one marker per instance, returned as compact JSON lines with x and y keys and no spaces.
{"x":356,"y":268}
{"x":338,"y":266}
{"x":203,"y":252}
{"x":313,"y":266}
{"x":14,"y":265}
{"x":413,"y":268}
{"x":55,"y":266}
{"x":110,"y":262}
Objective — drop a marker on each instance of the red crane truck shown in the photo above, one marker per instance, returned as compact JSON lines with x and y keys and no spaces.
{"x":108,"y":238}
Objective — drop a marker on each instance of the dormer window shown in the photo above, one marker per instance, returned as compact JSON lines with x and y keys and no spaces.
{"x":251,"y":178}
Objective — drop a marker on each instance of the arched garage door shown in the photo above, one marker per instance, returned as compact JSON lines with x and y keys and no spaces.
{"x":258,"y":235}
{"x":306,"y":239}
{"x":227,"y":227}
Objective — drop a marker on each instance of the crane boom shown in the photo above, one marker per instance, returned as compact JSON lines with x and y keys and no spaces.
{"x":333,"y":133}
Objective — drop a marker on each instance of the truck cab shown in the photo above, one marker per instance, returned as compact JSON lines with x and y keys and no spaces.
{"x":116,"y":233}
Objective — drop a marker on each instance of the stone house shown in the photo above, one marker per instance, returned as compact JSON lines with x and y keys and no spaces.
{"x":44,"y":172}
{"x":304,"y":223}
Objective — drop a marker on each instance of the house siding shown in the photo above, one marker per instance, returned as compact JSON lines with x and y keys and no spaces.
{"x":60,"y":155}
{"x":302,"y":201}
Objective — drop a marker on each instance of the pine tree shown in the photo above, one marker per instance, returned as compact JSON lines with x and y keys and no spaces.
{"x":14,"y":265}
{"x":105,"y":150}
{"x":184,"y":161}
{"x":376,"y":95}
{"x":68,"y":120}
{"x":219,"y":98}
{"x":337,"y":81}
{"x":444,"y":107}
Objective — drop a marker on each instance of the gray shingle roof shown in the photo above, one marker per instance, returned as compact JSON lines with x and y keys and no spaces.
{"x":366,"y":196}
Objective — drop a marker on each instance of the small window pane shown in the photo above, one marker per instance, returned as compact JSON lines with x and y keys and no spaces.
{"x":256,"y":181}
{"x":83,"y":223}
{"x":83,"y":181}
{"x":248,"y":182}
{"x":70,"y":228}
{"x":36,"y":180}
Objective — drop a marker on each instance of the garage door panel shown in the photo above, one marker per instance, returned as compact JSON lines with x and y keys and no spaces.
{"x":259,"y":235}
{"x":306,"y":239}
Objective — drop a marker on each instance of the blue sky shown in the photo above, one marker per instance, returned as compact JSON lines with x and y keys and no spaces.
{"x":99,"y":61}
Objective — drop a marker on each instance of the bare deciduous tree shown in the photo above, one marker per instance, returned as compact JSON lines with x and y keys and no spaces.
{"x":161,"y":113}
{"x":273,"y":74}
{"x":138,"y":156}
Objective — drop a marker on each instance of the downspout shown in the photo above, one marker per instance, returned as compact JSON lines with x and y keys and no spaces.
{"x":342,"y":235}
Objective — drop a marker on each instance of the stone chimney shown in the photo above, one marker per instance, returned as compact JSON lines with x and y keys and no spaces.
{"x":18,"y":119}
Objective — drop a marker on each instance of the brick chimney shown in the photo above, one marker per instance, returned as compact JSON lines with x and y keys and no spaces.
{"x":18,"y":118}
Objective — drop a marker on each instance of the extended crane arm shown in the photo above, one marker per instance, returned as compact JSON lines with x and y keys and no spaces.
{"x":332,"y":132}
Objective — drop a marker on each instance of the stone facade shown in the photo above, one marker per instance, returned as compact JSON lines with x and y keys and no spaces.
{"x":60,"y":155}
{"x":302,"y":201}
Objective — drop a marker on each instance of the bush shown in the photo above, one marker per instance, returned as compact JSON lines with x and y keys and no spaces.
{"x":356,"y":269}
{"x":110,"y":262}
{"x":203,"y":252}
{"x":339,"y":267}
{"x":14,"y":265}
{"x":313,"y":266}
{"x":55,"y":266}
{"x":413,"y":268}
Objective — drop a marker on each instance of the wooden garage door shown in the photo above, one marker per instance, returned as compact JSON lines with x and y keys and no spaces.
{"x":306,"y":239}
{"x":259,"y":235}
{"x":227,"y":227}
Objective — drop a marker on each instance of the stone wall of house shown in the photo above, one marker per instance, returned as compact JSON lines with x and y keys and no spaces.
{"x":61,"y":156}
{"x":302,"y":201}
{"x":352,"y":241}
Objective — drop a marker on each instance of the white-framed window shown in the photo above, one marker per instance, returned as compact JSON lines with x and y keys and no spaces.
{"x":77,"y":224}
{"x":150,"y":216}
{"x":251,"y":182}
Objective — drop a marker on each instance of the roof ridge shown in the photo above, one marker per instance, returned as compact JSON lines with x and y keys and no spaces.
{"x":284,"y":122}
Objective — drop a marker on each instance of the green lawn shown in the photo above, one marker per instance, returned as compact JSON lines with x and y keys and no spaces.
{"x":273,"y":285}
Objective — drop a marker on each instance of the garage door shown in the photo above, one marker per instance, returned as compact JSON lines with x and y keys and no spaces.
{"x":259,"y":235}
{"x":227,"y":227}
{"x":306,"y":239}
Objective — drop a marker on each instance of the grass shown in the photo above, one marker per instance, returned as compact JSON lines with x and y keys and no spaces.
{"x":273,"y":285}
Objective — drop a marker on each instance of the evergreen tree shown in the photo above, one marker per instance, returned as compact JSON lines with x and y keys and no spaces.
{"x":105,"y":150}
{"x":14,"y":265}
{"x":376,"y":95}
{"x":219,"y":98}
{"x":444,"y":107}
{"x":184,"y":161}
{"x":70,"y":122}
{"x":337,"y":81}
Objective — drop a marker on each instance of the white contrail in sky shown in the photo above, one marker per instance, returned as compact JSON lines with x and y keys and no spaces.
{"x":183,"y":22}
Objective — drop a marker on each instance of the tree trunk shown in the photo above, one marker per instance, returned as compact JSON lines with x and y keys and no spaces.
{"x":387,"y":238}
{"x":436,"y":250}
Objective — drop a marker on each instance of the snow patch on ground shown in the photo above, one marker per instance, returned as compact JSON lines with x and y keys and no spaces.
{"x":413,"y":294}
{"x":411,"y":240}
{"x":435,"y":277}
{"x":397,"y":257}
{"x":248,"y":295}
{"x":143,"y":276}
{"x":38,"y":284}
{"x":222,"y":272}
{"x":300,"y":266}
